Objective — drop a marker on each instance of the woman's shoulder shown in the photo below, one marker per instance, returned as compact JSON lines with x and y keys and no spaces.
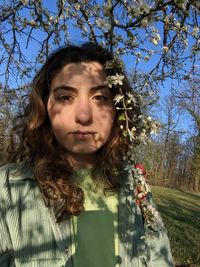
{"x":7,"y":166}
{"x":14,"y":172}
{"x":6,"y":169}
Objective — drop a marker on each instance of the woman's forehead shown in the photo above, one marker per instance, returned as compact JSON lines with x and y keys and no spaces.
{"x":91,"y":72}
{"x":92,"y":68}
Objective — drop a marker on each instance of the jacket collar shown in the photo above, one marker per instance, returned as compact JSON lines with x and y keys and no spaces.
{"x":20,"y":171}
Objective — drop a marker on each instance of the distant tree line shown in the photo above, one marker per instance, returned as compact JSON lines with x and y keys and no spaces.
{"x":171,"y":158}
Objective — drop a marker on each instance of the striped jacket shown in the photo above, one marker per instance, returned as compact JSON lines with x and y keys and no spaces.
{"x":30,"y":236}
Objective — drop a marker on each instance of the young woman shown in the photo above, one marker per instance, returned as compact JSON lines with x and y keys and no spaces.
{"x":67,"y":197}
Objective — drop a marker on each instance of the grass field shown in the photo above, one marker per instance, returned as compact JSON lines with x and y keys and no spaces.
{"x":181,"y":214}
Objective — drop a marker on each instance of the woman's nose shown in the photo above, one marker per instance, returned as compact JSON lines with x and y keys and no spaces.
{"x":83,"y":114}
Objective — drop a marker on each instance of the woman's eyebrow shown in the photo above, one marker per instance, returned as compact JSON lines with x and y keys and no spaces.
{"x":64,"y":87}
{"x":70,"y":88}
{"x":98,"y":87}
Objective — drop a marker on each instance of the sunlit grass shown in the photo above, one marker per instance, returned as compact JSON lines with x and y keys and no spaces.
{"x":181,"y":214}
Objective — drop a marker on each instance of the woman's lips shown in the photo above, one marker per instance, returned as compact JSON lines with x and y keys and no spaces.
{"x":83,"y":134}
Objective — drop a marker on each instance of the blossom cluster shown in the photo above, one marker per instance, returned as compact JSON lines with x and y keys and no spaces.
{"x":143,"y":124}
{"x":143,"y":200}
{"x":128,"y":28}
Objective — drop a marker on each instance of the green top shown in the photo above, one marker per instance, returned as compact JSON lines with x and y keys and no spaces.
{"x":94,"y":232}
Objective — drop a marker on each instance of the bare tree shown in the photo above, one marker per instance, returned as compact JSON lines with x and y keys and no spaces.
{"x":11,"y":101}
{"x":168,"y":157}
{"x":188,"y":99}
{"x":170,"y":138}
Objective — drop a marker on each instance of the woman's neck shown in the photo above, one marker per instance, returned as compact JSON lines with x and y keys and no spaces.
{"x":81,"y":161}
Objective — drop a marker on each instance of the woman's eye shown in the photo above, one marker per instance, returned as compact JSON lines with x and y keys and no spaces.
{"x":65,"y":98}
{"x":101,"y":98}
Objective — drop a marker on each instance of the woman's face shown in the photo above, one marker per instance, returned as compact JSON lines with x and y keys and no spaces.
{"x":81,"y":108}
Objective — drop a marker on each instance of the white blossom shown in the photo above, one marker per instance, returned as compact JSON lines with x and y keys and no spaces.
{"x":143,"y":135}
{"x":149,"y":118}
{"x":155,"y":128}
{"x":77,"y":6}
{"x":24,"y":2}
{"x":146,"y":58}
{"x":156,"y":39}
{"x":133,"y":129}
{"x":138,"y":54}
{"x":195,"y":31}
{"x":116,"y":79}
{"x":118,"y":98}
{"x":103,"y":24}
{"x":131,"y":135}
{"x":109,"y":81}
{"x":131,"y":97}
{"x":165,"y":49}
{"x":33,"y":23}
{"x":153,"y":210}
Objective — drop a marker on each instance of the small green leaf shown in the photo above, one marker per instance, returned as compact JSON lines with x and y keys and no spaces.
{"x":125,"y":133}
{"x":122,"y":117}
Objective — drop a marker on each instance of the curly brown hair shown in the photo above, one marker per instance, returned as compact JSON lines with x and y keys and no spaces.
{"x":32,"y":139}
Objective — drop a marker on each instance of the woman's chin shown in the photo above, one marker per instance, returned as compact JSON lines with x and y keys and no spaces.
{"x":86,"y":149}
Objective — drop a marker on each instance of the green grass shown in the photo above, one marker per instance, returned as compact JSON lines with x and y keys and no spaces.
{"x":181,"y":214}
